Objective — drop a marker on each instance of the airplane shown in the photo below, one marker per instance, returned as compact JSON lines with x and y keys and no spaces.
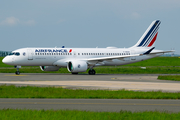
{"x":81,"y":59}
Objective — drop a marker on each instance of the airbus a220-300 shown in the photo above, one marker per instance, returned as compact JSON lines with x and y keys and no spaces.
{"x":81,"y":59}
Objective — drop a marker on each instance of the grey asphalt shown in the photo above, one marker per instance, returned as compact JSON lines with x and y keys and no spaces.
{"x":117,"y":81}
{"x":138,"y":82}
{"x":111,"y":105}
{"x":70,"y":77}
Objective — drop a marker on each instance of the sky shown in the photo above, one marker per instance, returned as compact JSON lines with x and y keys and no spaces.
{"x":87,"y":23}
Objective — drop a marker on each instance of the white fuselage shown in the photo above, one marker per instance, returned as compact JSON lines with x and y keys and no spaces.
{"x":60,"y":56}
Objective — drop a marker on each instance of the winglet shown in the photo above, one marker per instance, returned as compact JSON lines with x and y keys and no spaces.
{"x":147,"y":52}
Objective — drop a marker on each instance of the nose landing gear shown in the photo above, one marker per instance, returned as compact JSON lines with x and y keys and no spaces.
{"x":17,"y":72}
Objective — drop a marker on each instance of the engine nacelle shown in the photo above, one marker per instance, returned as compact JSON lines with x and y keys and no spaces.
{"x":49,"y":68}
{"x":77,"y":66}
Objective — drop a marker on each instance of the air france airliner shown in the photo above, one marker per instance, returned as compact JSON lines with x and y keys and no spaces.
{"x":80,"y":59}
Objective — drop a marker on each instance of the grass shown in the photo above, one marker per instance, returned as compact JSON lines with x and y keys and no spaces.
{"x":10,"y":114}
{"x":103,"y":70}
{"x":170,"y":77}
{"x":52,"y":92}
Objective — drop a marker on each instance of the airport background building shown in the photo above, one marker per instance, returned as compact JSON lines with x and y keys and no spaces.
{"x":4,"y":53}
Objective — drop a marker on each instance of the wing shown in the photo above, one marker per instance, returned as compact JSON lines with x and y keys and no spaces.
{"x":100,"y":59}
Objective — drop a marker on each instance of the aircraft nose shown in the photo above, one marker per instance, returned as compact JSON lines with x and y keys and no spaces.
{"x":7,"y":60}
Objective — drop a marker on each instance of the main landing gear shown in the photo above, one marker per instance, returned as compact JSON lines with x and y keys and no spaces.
{"x":92,"y":72}
{"x":17,"y":72}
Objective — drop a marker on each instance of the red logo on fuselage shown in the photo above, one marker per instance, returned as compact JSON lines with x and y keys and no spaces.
{"x":70,"y":50}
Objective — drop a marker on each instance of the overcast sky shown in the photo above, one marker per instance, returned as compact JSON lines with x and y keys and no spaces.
{"x":87,"y":23}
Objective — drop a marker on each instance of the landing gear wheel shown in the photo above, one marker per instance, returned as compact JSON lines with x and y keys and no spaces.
{"x":17,"y":73}
{"x":92,"y":72}
{"x":74,"y":73}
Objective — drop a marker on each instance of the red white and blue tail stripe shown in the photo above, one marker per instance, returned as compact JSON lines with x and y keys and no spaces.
{"x":150,"y":35}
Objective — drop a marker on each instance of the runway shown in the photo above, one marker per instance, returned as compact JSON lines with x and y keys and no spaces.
{"x":135,"y":82}
{"x":99,"y":105}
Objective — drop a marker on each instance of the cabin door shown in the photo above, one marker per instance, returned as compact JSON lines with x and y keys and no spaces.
{"x":30,"y":54}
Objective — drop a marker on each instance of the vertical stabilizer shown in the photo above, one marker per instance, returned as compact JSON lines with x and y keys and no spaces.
{"x":150,"y":35}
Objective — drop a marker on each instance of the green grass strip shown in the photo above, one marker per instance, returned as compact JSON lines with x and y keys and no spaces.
{"x":170,"y":77}
{"x":52,"y":92}
{"x":10,"y":114}
{"x":104,"y":70}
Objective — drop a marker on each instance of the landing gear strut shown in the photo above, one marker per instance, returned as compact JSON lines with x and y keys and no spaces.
{"x":17,"y":72}
{"x":92,"y":72}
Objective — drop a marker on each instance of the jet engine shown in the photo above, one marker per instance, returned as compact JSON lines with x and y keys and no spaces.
{"x":77,"y":66}
{"x":49,"y":68}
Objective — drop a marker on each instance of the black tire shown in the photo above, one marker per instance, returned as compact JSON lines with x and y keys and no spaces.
{"x":17,"y":73}
{"x":92,"y":72}
{"x":74,"y":73}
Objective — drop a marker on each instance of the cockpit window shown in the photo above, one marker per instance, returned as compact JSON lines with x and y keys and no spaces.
{"x":17,"y":53}
{"x":11,"y":53}
{"x":14,"y":53}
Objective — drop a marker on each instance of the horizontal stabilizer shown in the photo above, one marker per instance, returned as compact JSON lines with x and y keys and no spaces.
{"x":162,"y":52}
{"x":148,"y":51}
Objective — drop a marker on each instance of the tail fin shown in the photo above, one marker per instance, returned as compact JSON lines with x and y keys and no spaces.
{"x":150,"y":35}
